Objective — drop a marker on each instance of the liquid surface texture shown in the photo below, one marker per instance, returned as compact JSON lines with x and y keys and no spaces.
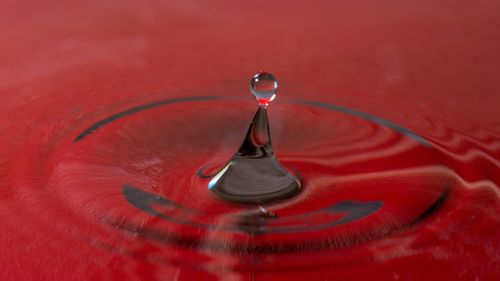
{"x":387,"y":113}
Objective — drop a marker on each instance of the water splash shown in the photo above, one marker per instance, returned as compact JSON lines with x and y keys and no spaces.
{"x":254,"y":175}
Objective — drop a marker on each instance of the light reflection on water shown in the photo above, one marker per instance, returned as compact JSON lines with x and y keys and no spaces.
{"x":437,"y":184}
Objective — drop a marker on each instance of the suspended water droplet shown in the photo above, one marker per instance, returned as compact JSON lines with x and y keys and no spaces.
{"x":264,"y":87}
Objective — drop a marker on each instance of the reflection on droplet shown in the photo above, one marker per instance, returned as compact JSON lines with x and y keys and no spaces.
{"x":264,"y":87}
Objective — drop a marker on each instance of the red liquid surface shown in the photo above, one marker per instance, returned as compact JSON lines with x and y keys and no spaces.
{"x":107,"y":123}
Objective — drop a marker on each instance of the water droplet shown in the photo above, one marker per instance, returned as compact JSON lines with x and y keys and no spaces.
{"x":264,"y":87}
{"x":254,"y":175}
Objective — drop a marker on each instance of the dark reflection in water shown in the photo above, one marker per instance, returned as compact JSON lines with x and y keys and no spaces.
{"x":375,"y":195}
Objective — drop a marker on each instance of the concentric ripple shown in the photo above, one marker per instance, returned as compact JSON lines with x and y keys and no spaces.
{"x":128,"y":183}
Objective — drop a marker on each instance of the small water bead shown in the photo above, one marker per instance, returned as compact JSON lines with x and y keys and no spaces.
{"x":264,"y":87}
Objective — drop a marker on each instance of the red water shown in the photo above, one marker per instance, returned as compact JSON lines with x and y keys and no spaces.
{"x":387,"y":110}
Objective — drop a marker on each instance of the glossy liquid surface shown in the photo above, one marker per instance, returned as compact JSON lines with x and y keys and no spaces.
{"x":109,"y":110}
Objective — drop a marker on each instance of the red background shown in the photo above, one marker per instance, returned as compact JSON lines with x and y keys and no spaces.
{"x":431,"y":66}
